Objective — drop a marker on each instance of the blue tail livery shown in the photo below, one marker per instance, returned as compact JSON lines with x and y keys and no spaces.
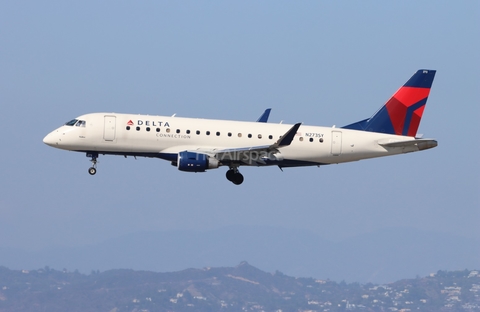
{"x":401,"y":114}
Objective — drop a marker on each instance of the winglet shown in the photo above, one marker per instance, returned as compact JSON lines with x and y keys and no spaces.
{"x":264,"y":117}
{"x":287,"y":138}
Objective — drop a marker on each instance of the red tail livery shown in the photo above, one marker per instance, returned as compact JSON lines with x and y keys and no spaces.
{"x":401,"y":114}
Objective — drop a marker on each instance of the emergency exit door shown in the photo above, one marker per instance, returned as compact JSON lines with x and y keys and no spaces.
{"x":336,"y":143}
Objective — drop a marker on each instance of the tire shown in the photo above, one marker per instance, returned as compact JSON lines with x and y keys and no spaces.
{"x":238,"y":179}
{"x":230,"y":175}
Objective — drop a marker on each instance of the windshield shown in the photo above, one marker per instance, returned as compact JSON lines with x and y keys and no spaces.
{"x":81,"y":123}
{"x":76,"y":122}
{"x":71,"y":122}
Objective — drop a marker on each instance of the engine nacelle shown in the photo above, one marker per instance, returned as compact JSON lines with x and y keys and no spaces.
{"x":272,"y":157}
{"x":277,"y":156}
{"x":195,"y":162}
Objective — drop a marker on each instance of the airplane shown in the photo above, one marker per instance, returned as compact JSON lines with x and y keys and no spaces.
{"x":197,"y":145}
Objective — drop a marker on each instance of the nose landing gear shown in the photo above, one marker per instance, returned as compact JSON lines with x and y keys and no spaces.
{"x":93,"y":169}
{"x":234,"y":176}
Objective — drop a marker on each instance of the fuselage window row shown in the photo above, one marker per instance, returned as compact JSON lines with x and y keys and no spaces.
{"x":198,"y":132}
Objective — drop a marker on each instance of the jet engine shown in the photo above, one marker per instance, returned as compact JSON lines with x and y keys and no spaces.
{"x":195,"y":162}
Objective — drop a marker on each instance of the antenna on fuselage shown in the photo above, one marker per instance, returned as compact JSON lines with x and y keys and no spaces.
{"x":174,"y":115}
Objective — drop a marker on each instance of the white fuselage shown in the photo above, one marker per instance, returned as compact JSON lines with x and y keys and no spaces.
{"x":164,"y":137}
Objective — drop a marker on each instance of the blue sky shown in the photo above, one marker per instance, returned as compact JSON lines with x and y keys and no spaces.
{"x":320,"y":63}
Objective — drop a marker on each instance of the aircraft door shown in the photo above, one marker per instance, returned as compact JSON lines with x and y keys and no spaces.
{"x":336,"y":143}
{"x":109,"y":128}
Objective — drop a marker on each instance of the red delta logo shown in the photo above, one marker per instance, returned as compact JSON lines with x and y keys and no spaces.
{"x":130,"y":123}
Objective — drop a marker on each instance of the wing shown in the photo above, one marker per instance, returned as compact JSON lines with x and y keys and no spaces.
{"x":257,"y":155}
{"x":251,"y":155}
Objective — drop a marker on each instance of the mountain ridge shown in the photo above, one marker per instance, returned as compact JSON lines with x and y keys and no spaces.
{"x":380,"y":256}
{"x":239,"y":288}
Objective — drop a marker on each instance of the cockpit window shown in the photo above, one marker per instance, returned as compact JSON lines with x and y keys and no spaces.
{"x":76,"y":122}
{"x":71,"y":122}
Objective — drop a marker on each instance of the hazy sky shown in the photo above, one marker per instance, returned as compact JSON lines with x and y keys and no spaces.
{"x":317,"y":62}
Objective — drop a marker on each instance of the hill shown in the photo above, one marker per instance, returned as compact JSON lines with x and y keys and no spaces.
{"x":377,"y":257}
{"x":238,"y":288}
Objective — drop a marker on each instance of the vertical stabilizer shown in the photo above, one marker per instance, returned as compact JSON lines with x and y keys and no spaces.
{"x":401,"y":114}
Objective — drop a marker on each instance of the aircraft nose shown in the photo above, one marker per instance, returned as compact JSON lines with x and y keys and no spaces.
{"x":50,"y":139}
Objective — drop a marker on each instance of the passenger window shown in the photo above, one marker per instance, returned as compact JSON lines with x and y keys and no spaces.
{"x":239,"y":135}
{"x":301,"y":139}
{"x":138,"y":128}
{"x":128,"y":127}
{"x":158,"y":129}
{"x":198,"y":132}
{"x":218,"y":133}
{"x":249,"y":136}
{"x":229,"y":134}
{"x":259,"y":136}
{"x":270,"y":136}
{"x":168,"y":130}
{"x":321,"y":140}
{"x":188,"y":131}
{"x":148,"y":129}
{"x":208,"y":132}
{"x":178,"y":130}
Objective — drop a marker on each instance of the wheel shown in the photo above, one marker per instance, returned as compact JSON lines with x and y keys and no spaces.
{"x":230,"y":174}
{"x":92,"y":170}
{"x":237,"y":178}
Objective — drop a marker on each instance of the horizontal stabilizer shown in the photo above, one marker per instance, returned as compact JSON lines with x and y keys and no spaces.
{"x":422,"y":144}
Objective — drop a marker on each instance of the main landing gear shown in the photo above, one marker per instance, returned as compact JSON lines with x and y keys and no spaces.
{"x":93,"y":169}
{"x":234,"y":176}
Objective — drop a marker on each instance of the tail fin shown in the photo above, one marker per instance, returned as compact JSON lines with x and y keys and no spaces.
{"x":402,"y":113}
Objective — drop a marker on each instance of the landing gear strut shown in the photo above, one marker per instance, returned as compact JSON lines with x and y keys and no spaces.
{"x":234,"y":176}
{"x":93,"y":169}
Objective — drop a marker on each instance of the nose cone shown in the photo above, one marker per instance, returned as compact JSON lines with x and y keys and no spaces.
{"x":51,"y":139}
